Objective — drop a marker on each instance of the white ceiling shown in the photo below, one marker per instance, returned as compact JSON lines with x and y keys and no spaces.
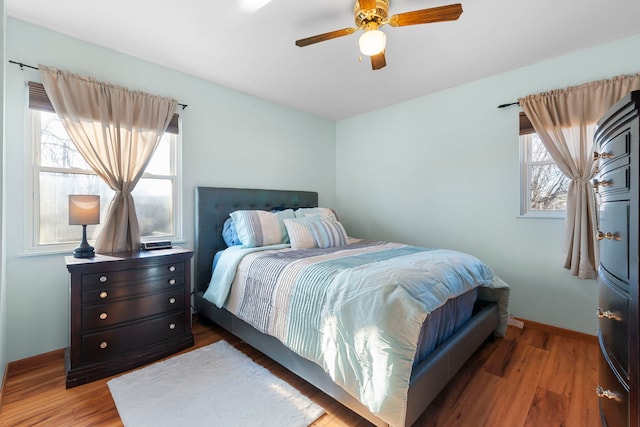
{"x":249,"y":44}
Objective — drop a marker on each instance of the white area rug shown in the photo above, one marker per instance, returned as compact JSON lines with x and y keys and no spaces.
{"x":215,"y":385}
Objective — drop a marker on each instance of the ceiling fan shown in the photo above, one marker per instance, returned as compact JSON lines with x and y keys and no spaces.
{"x":370,"y":15}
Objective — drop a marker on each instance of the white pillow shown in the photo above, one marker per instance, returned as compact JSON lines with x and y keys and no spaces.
{"x":326,"y":213}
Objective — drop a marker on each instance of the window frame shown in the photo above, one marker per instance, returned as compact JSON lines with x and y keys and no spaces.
{"x":32,"y":185}
{"x":524,"y":143}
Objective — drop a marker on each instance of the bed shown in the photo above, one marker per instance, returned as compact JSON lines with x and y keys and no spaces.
{"x":430,"y":368}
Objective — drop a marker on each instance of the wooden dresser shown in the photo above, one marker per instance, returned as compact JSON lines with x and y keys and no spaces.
{"x":127,"y":309}
{"x":618,"y":154}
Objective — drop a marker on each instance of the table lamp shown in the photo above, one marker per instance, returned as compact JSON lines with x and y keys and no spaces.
{"x":84,"y":210}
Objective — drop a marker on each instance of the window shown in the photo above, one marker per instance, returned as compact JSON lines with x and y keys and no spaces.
{"x":60,"y":170}
{"x":544,"y":186}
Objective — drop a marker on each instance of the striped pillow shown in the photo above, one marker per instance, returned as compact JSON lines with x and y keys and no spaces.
{"x":261,"y":228}
{"x":299,"y":232}
{"x":312,"y":232}
{"x":328,"y":234}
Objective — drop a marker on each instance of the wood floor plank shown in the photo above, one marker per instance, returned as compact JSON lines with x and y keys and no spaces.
{"x":559,"y":374}
{"x":507,"y":383}
{"x":521,"y":376}
{"x":583,"y":401}
{"x":548,"y":409}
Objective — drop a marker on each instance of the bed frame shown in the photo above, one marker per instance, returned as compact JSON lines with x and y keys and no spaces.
{"x":429,"y":377}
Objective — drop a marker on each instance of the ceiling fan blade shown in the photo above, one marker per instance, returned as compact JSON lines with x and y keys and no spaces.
{"x":324,"y":37}
{"x":367,"y":4}
{"x":378,"y":61}
{"x":426,"y":16}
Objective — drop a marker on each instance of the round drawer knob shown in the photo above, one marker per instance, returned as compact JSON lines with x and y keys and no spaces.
{"x":172,"y":268}
{"x":103,"y":279}
{"x":172,"y":300}
{"x":172,"y":281}
{"x":103,"y":344}
{"x":172,"y":325}
{"x":103,"y":316}
{"x":104,"y":294}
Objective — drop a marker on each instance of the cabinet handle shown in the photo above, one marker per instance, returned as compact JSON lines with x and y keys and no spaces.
{"x":172,"y":325}
{"x":172,"y":281}
{"x":603,"y":183}
{"x":103,"y":279}
{"x":600,"y":314}
{"x":103,"y":344}
{"x":104,"y":294}
{"x":172,"y":300}
{"x":608,"y":235}
{"x":607,"y":393}
{"x":103,"y":316}
{"x":172,"y":268}
{"x":603,"y":155}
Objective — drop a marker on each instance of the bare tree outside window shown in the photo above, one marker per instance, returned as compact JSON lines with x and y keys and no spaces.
{"x":548,"y":185}
{"x":60,"y":170}
{"x":544,"y":185}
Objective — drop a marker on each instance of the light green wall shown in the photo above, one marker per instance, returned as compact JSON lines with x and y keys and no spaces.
{"x":229,"y":139}
{"x":3,"y":291}
{"x":443,"y":171}
{"x":440,"y":170}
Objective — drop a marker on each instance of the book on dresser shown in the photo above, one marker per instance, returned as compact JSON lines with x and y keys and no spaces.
{"x":127,"y":309}
{"x":617,"y":153}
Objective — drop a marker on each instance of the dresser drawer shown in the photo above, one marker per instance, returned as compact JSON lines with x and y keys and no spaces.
{"x":613,"y":233}
{"x":614,"y":148}
{"x":613,"y":323}
{"x":136,"y":336}
{"x":613,"y":396}
{"x":103,"y":315}
{"x":110,"y":286}
{"x":133,"y":274}
{"x":614,"y":184}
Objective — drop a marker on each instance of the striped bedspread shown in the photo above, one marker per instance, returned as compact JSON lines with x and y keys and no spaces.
{"x":355,"y":310}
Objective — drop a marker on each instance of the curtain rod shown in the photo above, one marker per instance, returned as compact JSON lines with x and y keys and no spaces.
{"x":508,"y":105}
{"x":22,"y":65}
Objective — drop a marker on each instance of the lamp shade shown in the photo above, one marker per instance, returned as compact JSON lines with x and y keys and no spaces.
{"x":372,"y":42}
{"x":84,"y":209}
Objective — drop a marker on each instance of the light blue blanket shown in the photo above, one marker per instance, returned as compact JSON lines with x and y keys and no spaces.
{"x":357,"y":311}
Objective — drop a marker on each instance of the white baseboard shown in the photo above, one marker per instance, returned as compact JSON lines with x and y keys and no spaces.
{"x":512,"y":321}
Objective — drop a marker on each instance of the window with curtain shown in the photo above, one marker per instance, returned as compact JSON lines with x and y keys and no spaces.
{"x":565,"y":121}
{"x":543,"y":185}
{"x":60,"y":170}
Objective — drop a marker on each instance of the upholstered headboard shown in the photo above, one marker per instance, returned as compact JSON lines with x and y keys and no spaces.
{"x":213,"y":206}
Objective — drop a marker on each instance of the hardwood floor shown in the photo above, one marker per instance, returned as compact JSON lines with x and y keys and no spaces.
{"x":535,"y":377}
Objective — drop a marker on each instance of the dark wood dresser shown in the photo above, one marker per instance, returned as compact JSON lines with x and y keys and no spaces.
{"x":618,"y":153}
{"x":127,"y":309}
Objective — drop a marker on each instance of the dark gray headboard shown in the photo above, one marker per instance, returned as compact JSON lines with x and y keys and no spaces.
{"x":213,"y":206}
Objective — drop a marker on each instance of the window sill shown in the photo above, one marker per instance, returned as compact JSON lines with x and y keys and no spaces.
{"x":541,"y":216}
{"x":67,"y":249}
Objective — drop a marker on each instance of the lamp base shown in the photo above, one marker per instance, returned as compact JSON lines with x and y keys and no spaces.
{"x":85,"y":250}
{"x":84,"y":253}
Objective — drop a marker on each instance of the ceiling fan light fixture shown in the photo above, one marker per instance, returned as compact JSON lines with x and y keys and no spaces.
{"x":372,"y":42}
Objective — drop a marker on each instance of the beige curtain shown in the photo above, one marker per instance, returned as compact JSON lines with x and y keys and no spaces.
{"x":565,"y":121}
{"x":116,"y":131}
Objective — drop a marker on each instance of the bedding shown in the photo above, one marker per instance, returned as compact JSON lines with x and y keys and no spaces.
{"x":356,"y":310}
